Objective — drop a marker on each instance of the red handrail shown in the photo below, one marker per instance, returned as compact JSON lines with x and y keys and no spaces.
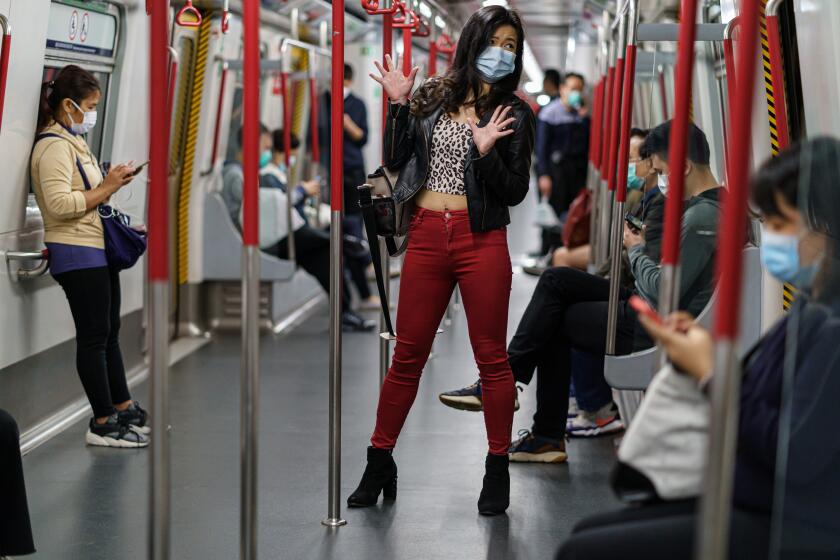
{"x":387,"y":50}
{"x":251,"y":123}
{"x":313,"y":121}
{"x":733,"y":225}
{"x":287,"y":122}
{"x":158,"y":222}
{"x":226,"y":17}
{"x":188,"y":9}
{"x":777,"y":75}
{"x":626,"y":118}
{"x":679,"y":134}
{"x":422,"y":28}
{"x":605,"y":137}
{"x":614,"y":122}
{"x":596,"y":123}
{"x":372,"y":8}
{"x":4,"y":62}
{"x":219,"y":107}
{"x":337,"y":113}
{"x":433,"y":54}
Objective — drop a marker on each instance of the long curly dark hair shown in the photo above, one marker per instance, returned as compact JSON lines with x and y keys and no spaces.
{"x":462,"y":81}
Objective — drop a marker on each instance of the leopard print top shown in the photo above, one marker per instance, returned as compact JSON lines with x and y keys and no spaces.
{"x":450,"y":146}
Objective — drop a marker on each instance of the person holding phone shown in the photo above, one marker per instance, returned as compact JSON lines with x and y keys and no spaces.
{"x":60,"y":165}
{"x":660,"y":467}
{"x":463,"y":146}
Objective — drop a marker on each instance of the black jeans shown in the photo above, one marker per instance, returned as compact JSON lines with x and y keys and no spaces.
{"x":94,"y":296}
{"x":568,"y":178}
{"x":15,"y":529}
{"x":567,"y":310}
{"x":312,"y":250}
{"x":660,"y":531}
{"x":357,"y":266}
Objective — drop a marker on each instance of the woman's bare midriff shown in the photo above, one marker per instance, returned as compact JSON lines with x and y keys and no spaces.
{"x":440,"y":202}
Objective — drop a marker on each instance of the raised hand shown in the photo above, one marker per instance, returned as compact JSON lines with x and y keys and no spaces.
{"x":485,"y":137}
{"x":397,"y":86}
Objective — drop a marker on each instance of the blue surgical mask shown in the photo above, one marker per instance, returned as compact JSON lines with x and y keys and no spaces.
{"x":88,"y":121}
{"x":495,"y":63}
{"x":634,"y":182}
{"x":265,"y":158}
{"x":575,"y":99}
{"x":662,"y":183}
{"x":780,"y":256}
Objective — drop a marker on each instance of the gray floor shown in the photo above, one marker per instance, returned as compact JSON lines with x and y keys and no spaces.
{"x":90,"y":504}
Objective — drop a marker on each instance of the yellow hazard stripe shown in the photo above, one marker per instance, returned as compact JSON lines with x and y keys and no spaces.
{"x":193,"y":122}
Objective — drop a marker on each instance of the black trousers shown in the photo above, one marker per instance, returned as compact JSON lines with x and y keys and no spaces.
{"x":357,"y":266}
{"x":312,"y":250}
{"x":568,"y":177}
{"x":15,"y":529}
{"x":659,"y":531}
{"x":94,"y":297}
{"x":567,"y":310}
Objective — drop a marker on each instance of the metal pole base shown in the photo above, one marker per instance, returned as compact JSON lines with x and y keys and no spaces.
{"x":331,"y":522}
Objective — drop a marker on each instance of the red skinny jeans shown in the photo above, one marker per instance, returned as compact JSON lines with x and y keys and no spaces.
{"x":443,"y":252}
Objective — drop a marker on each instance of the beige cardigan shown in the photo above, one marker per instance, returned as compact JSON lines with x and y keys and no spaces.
{"x":59,"y":189}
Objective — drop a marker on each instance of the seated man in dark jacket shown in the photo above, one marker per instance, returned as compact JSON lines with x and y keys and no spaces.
{"x":568,"y":309}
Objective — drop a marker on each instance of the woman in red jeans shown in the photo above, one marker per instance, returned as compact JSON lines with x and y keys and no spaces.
{"x":462,"y":146}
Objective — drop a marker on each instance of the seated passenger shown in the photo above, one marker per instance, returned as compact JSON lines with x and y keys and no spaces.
{"x":313,"y":246}
{"x":69,"y":186}
{"x":15,"y":530}
{"x":641,"y":187}
{"x":274,"y":173}
{"x":568,"y":309}
{"x":663,"y":453}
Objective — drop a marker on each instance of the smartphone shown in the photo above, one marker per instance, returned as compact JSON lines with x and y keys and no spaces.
{"x":635,"y":223}
{"x":139,"y":168}
{"x":642,"y":307}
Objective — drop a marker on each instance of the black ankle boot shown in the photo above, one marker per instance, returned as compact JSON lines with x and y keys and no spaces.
{"x":380,"y":476}
{"x":495,"y":495}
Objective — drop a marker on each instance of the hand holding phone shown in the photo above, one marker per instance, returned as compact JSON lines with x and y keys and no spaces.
{"x":642,"y":307}
{"x":634,"y":222}
{"x":139,"y":168}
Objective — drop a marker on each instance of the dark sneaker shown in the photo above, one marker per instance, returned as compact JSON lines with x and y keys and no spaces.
{"x":114,"y":433}
{"x":469,"y":398}
{"x":136,"y":417}
{"x":533,"y":448}
{"x":592,"y":424}
{"x":352,"y":321}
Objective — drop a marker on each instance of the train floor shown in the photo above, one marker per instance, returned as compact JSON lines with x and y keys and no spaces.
{"x":91,"y":503}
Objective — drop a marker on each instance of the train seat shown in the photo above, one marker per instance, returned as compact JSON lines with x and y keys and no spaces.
{"x":283,"y":289}
{"x":635,"y":371}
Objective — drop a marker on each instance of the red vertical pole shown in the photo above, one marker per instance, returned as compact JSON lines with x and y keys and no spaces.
{"x":4,"y":66}
{"x":432,"y":58}
{"x":387,"y":50}
{"x":612,"y":140}
{"x":593,"y":137}
{"x":251,"y":123}
{"x":287,"y":122}
{"x":663,"y":96}
{"x":158,"y":222}
{"x":604,"y":137}
{"x":313,"y":121}
{"x":626,"y":118}
{"x":679,"y":133}
{"x":407,"y":50}
{"x":337,"y":115}
{"x":777,"y":74}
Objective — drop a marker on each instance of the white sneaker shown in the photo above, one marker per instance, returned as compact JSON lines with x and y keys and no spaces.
{"x":590,"y":424}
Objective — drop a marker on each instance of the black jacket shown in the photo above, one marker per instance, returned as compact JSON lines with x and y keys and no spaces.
{"x":492,"y":182}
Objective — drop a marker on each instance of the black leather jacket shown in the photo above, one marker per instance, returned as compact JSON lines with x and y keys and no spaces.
{"x":493,"y":182}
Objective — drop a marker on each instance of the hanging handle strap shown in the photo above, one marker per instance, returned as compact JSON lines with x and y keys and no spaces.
{"x":188,"y":10}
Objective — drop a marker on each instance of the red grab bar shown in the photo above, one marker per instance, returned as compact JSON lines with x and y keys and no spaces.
{"x":4,"y":62}
{"x":226,"y":17}
{"x":679,"y":134}
{"x":337,"y":114}
{"x":614,"y":123}
{"x":387,"y":50}
{"x":287,"y":123}
{"x":422,"y":28}
{"x":158,"y":221}
{"x":626,"y":118}
{"x":777,"y":73}
{"x":251,"y":123}
{"x":733,"y":225}
{"x":596,"y":124}
{"x":372,"y":8}
{"x":605,"y":138}
{"x":313,"y":121}
{"x":188,"y":9}
{"x":433,"y":54}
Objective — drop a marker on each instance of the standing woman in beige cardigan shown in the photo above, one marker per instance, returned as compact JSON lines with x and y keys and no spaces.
{"x":69,"y":187}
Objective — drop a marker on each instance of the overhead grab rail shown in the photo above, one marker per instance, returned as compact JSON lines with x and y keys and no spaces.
{"x":777,"y":72}
{"x":4,"y":62}
{"x":182,"y":18}
{"x":23,"y":256}
{"x":373,"y":9}
{"x":716,"y":500}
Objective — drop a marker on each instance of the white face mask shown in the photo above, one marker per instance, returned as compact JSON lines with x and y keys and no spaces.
{"x":88,"y":122}
{"x":662,"y":182}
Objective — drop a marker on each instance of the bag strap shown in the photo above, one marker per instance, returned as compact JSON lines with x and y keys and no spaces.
{"x":366,"y":204}
{"x":78,"y":163}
